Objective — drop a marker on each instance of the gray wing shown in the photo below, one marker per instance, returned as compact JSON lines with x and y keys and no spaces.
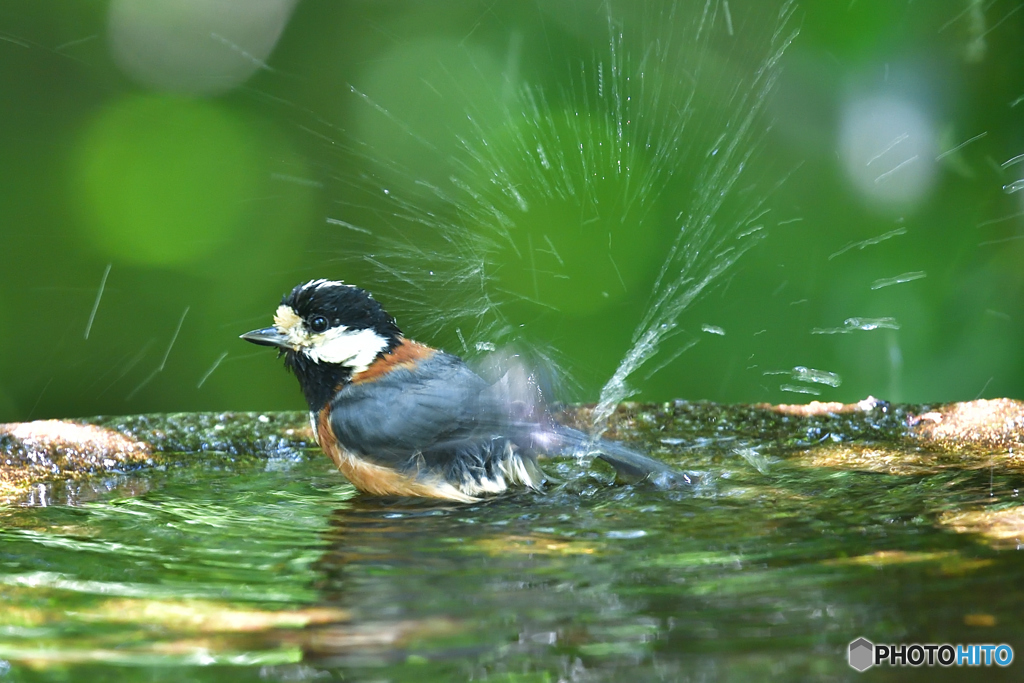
{"x":438,"y":410}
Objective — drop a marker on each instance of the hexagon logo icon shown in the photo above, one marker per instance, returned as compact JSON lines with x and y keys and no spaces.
{"x":862,"y":654}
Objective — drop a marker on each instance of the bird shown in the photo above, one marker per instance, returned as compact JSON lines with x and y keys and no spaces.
{"x":400,"y":418}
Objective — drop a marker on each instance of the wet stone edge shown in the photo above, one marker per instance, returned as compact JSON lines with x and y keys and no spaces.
{"x":55,"y":450}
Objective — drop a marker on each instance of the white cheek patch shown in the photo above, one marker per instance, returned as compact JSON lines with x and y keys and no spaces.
{"x":356,"y":349}
{"x":341,"y":346}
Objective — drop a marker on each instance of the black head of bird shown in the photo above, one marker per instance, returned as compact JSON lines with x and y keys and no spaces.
{"x":328,"y":332}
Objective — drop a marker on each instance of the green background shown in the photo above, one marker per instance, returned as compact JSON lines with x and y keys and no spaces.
{"x":382,"y":142}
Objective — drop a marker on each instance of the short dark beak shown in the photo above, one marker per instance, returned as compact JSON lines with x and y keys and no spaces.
{"x":268,"y":336}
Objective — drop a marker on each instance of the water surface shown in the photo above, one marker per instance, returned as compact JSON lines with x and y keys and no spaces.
{"x":239,"y":569}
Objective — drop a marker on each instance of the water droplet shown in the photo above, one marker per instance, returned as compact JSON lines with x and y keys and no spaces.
{"x":632,"y":533}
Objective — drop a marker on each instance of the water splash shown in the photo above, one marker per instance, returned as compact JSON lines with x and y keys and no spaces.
{"x":854,"y":324}
{"x":704,"y":246}
{"x":798,"y":389}
{"x":562,"y":201}
{"x":803,"y":374}
{"x":1012,"y":161}
{"x":809,"y":376}
{"x":99,"y":296}
{"x":163,"y":361}
{"x":899,"y":279}
{"x":1015,"y":186}
{"x":870,"y":242}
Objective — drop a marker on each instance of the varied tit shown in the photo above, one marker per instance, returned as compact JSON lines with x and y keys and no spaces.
{"x":400,"y":418}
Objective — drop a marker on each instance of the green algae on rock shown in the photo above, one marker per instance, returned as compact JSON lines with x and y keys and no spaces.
{"x":870,"y":435}
{"x":261,"y":434}
{"x":48,"y":450}
{"x":56,"y":450}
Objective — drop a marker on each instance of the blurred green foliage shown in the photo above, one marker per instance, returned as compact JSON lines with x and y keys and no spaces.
{"x":391,"y":119}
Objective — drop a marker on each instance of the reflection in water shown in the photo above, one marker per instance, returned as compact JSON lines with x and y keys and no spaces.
{"x":456,"y":582}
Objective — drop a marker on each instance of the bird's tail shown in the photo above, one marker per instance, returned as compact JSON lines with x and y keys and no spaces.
{"x":628,"y":464}
{"x":517,"y":391}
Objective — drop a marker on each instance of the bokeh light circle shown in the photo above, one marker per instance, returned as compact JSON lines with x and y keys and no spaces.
{"x":165,"y":180}
{"x":420,"y":98}
{"x":194,"y":46}
{"x":887,"y":146}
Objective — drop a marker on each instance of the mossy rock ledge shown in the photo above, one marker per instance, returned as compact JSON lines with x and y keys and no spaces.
{"x":870,"y":435}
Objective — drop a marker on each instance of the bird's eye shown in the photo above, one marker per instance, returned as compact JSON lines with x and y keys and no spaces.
{"x":318,"y":324}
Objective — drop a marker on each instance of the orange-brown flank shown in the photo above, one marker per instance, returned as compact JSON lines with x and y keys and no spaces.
{"x":406,"y":355}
